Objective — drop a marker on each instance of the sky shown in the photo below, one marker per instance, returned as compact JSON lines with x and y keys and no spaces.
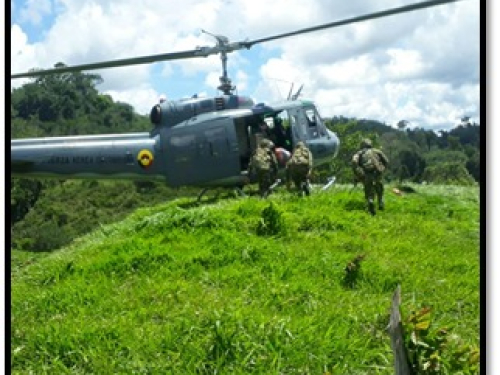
{"x":421,"y":66}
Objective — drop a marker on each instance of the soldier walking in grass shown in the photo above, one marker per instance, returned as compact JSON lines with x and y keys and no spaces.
{"x":264,"y":166}
{"x":299,"y":167}
{"x":369,"y":165}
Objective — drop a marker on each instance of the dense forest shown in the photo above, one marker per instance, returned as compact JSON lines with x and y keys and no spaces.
{"x":416,"y":155}
{"x":47,"y":214}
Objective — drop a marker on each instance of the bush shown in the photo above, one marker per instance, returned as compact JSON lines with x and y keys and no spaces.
{"x":271,"y":222}
{"x":454,"y":173}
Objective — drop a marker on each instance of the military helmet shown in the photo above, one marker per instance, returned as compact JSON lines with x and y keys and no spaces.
{"x":366,"y":143}
{"x":266,"y":143}
{"x":300,"y":144}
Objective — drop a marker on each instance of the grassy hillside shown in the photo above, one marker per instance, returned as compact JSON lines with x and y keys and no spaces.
{"x":246,"y":285}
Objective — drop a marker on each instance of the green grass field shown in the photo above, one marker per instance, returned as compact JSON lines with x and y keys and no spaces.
{"x":245,"y":285}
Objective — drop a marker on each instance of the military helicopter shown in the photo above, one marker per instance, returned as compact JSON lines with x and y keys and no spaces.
{"x":203,"y":142}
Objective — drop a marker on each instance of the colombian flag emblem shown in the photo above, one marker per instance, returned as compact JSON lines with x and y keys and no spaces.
{"x":145,"y":158}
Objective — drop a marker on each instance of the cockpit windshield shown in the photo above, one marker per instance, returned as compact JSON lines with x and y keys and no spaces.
{"x":316,"y":126}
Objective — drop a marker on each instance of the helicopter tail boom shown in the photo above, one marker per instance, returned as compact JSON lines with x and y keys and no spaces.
{"x":110,"y":156}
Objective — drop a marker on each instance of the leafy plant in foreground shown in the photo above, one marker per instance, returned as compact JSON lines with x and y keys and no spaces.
{"x":271,"y":222}
{"x":434,"y":352}
{"x":352,"y":271}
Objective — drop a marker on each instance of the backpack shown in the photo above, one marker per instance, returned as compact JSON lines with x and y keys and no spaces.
{"x":262,"y":159}
{"x":370,"y":161}
{"x":301,"y":157}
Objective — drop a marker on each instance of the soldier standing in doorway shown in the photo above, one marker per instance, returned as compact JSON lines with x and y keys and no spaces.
{"x":264,"y":166}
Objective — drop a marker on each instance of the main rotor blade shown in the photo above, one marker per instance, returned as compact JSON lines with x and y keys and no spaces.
{"x":385,"y":13}
{"x":226,"y":47}
{"x":114,"y":63}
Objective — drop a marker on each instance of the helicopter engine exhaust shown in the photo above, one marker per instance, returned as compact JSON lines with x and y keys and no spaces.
{"x":170,"y":113}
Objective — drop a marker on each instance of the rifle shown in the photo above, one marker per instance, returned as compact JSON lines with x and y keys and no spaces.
{"x":272,"y":187}
{"x":330,"y":182}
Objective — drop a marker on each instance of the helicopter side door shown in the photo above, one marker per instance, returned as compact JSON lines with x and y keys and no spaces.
{"x":202,"y":153}
{"x":297,"y":125}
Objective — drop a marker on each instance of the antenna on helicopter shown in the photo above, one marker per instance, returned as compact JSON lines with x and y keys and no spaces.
{"x":296,"y":95}
{"x":223,"y":43}
{"x":290,"y":92}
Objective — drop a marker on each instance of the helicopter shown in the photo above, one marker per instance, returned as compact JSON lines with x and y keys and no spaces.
{"x":203,"y":142}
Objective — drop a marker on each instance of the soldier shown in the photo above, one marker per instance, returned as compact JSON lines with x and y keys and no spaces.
{"x":298,"y":168}
{"x":264,"y":166}
{"x":369,"y":164}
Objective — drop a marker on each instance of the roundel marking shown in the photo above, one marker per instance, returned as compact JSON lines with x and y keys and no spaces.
{"x":145,"y":158}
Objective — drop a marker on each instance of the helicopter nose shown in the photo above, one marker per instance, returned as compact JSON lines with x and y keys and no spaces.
{"x":334,"y":142}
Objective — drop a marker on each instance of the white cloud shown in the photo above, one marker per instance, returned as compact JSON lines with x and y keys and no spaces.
{"x":356,"y":71}
{"x":404,"y":63}
{"x":413,"y":67}
{"x":34,"y":10}
{"x":22,"y":53}
{"x":212,"y":79}
{"x":241,"y":80}
{"x":143,"y":98}
{"x":422,"y":65}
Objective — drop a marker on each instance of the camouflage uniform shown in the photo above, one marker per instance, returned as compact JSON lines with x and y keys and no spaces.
{"x":298,"y":168}
{"x":264,"y":166}
{"x":369,"y":164}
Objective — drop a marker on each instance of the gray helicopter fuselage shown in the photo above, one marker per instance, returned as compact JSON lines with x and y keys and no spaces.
{"x":209,"y":149}
{"x":196,"y":141}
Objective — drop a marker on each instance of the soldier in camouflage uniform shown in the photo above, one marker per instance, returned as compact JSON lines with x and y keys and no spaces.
{"x":264,"y":166}
{"x":369,"y":164}
{"x":298,"y":168}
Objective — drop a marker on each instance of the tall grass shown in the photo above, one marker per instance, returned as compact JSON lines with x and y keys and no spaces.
{"x":246,"y":285}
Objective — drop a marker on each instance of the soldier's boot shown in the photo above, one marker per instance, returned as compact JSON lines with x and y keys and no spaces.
{"x":262,"y":192}
{"x":371,"y":207}
{"x":381,"y":204}
{"x":306,"y":188}
{"x":301,"y":190}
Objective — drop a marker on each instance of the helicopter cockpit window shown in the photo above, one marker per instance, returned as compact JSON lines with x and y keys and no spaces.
{"x":316,"y":128}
